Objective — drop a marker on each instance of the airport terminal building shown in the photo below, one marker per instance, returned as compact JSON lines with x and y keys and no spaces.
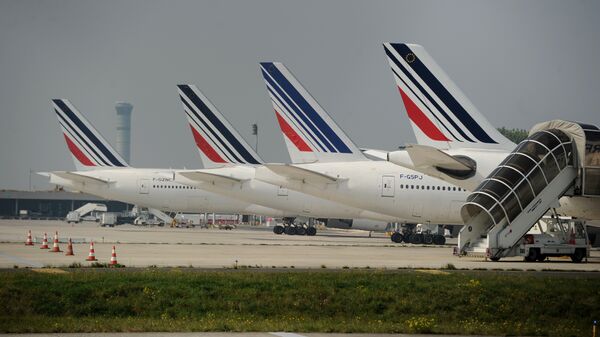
{"x":53,"y":204}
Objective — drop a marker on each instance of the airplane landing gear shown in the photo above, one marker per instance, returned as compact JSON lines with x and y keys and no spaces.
{"x":292,"y":227}
{"x":408,"y":234}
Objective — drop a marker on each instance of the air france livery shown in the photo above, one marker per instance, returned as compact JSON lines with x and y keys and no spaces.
{"x":230,"y":167}
{"x":101,"y":171}
{"x":327,"y":164}
{"x":457,"y":143}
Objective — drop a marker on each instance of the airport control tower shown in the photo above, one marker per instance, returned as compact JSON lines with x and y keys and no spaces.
{"x":124,"y":129}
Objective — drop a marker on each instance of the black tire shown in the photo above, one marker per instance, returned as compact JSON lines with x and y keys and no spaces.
{"x":534,"y":254}
{"x":495,"y":259}
{"x":300,"y":230}
{"x":311,"y":231}
{"x":407,"y":237}
{"x":290,"y":230}
{"x":278,"y":230}
{"x":541,"y":258}
{"x":439,"y":240}
{"x":578,"y":256}
{"x":427,"y":239}
{"x":397,"y":237}
{"x":416,"y":239}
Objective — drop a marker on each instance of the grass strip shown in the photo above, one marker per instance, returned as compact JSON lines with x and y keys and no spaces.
{"x":338,"y":301}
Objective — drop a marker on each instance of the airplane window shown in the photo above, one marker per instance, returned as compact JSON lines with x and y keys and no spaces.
{"x":438,"y":188}
{"x":443,"y":188}
{"x":412,"y":187}
{"x":454,"y":188}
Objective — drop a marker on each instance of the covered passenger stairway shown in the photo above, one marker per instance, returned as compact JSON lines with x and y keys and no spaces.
{"x":552,"y":162}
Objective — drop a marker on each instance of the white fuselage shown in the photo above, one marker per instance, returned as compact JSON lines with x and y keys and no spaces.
{"x":380,"y":187}
{"x":252,"y":190}
{"x":156,"y":188}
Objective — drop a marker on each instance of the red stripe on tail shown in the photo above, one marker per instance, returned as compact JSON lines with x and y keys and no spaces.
{"x":292,"y":135}
{"x":83,"y":159}
{"x":418,"y":117}
{"x":205,"y":147}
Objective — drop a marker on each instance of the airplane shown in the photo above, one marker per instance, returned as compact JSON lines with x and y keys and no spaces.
{"x":101,"y":171}
{"x":229,"y":169}
{"x":327,"y":164}
{"x":455,"y":142}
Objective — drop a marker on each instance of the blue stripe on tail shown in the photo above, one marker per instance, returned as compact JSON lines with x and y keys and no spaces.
{"x":310,"y":112}
{"x":216,"y":122}
{"x":438,"y":88}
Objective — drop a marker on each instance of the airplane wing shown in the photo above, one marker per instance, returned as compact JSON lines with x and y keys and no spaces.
{"x":209,"y":177}
{"x":80,"y":178}
{"x":293,"y":172}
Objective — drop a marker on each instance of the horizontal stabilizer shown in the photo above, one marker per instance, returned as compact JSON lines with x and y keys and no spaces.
{"x":79,"y":178}
{"x":457,"y":170}
{"x":298,"y":173}
{"x":208,"y":177}
{"x":423,"y":155}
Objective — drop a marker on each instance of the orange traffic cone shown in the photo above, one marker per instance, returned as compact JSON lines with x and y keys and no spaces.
{"x":45,"y":242}
{"x":92,"y":255}
{"x":29,"y":241}
{"x":113,"y":257}
{"x":70,"y":248}
{"x":55,"y":248}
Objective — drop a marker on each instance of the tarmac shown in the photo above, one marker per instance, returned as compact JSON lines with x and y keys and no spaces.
{"x":243,"y":247}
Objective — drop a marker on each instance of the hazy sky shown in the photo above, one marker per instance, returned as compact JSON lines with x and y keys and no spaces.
{"x":520,"y":62}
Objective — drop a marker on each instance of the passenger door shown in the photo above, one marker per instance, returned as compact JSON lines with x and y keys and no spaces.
{"x":144,"y":186}
{"x":282,"y":191}
{"x":387,"y":186}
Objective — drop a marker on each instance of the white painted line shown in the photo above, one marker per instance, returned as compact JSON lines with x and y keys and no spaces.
{"x":286,"y":334}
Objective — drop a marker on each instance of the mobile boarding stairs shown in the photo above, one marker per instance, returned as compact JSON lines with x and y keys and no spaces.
{"x":554,"y":161}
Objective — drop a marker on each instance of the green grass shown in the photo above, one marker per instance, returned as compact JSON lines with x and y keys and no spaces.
{"x":326,"y":301}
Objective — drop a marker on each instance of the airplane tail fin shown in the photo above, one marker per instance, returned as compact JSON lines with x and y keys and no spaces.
{"x":440,"y":113}
{"x":310,"y":133}
{"x":87,"y":146}
{"x":217,"y":140}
